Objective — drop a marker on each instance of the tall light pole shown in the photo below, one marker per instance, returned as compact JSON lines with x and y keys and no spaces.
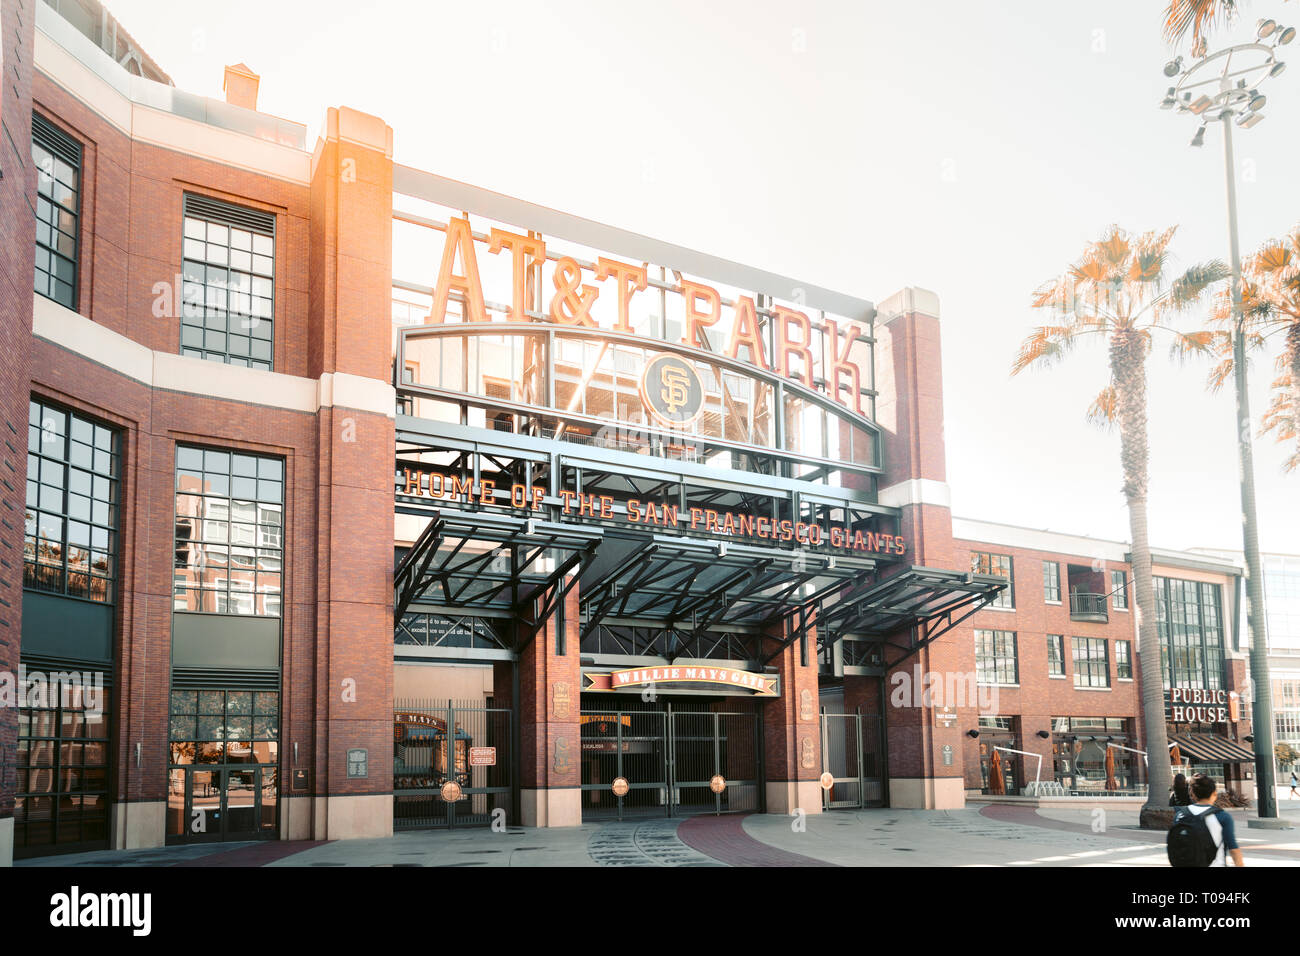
{"x":1224,"y":86}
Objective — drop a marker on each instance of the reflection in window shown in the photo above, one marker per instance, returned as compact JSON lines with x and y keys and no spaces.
{"x":229,"y":532}
{"x":57,"y":158}
{"x":70,"y":537}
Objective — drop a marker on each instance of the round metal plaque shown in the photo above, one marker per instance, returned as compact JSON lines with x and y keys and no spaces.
{"x":718,"y":783}
{"x":827,"y":780}
{"x":619,"y":786}
{"x":451,"y":791}
{"x":672,"y":391}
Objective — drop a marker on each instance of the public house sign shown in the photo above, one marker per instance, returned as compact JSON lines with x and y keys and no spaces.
{"x":1196,"y":705}
{"x":573,"y":303}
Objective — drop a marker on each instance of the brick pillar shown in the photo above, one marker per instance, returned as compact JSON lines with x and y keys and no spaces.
{"x":550,"y":758}
{"x":17,"y":239}
{"x":909,"y":376}
{"x":349,"y":344}
{"x":792,"y":740}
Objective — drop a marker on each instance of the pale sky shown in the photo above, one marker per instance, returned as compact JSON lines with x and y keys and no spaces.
{"x":968,"y":148}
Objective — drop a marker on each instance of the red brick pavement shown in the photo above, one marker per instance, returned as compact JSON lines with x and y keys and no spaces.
{"x":258,"y":855}
{"x":724,"y":838}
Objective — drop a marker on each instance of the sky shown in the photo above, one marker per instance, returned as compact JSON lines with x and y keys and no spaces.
{"x":972,"y":149}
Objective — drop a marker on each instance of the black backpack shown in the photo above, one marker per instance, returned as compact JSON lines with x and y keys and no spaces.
{"x":1189,"y":842}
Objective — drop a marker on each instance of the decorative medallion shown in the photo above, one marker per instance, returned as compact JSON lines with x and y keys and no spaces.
{"x":672,"y":391}
{"x":718,"y":783}
{"x":619,"y":786}
{"x":451,"y":791}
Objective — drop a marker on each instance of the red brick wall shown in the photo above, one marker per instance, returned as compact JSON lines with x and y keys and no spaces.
{"x":1040,"y":697}
{"x":131,"y":230}
{"x":17,"y":238}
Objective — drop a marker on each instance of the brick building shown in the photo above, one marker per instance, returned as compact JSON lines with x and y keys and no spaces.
{"x":359,"y":499}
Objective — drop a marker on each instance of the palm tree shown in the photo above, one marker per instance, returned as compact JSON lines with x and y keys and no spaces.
{"x":1119,"y":290}
{"x":1270,"y":305}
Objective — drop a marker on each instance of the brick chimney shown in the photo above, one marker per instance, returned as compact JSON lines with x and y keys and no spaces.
{"x":241,"y":86}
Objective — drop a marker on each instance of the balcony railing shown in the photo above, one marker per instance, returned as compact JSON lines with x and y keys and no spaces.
{"x":1088,"y":607}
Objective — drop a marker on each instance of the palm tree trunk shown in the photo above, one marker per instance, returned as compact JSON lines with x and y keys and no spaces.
{"x":1128,"y":371}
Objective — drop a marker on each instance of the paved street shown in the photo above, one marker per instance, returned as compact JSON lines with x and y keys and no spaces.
{"x":987,"y":835}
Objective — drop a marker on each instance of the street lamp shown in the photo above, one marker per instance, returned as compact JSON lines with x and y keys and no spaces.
{"x":1225,"y":86}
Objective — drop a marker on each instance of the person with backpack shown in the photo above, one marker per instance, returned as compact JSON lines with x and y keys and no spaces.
{"x":1180,"y":796}
{"x":1202,"y":834}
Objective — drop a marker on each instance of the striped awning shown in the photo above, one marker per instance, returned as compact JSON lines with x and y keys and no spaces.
{"x":1211,"y":748}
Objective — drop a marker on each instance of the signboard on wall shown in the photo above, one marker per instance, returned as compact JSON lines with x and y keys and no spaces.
{"x":734,"y":525}
{"x":760,"y":685}
{"x":1197,"y":705}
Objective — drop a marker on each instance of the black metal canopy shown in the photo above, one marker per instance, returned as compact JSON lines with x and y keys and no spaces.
{"x":478,"y":560}
{"x":933,"y":599}
{"x":691,"y":585}
{"x":1212,"y":748}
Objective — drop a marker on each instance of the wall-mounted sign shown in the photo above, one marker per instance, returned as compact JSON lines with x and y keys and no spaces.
{"x":945,"y":717}
{"x":358,"y":762}
{"x":421,"y":483}
{"x":482,"y":756}
{"x":1197,"y":705}
{"x":795,"y":346}
{"x":761,"y":685}
{"x":298,"y":780}
{"x":671,"y":390}
{"x":946,"y":753}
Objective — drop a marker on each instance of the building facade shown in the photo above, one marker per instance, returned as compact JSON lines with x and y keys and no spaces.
{"x":358,"y":499}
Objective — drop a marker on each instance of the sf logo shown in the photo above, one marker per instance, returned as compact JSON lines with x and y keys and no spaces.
{"x":676,"y":388}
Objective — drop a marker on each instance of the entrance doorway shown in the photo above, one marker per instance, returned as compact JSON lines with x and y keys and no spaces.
{"x":671,"y":757}
{"x":452,"y":764}
{"x":853,"y":754}
{"x":215,"y":803}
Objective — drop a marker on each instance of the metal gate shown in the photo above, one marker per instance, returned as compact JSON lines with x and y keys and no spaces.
{"x":670,"y":760}
{"x":853,"y":754}
{"x":475,"y":755}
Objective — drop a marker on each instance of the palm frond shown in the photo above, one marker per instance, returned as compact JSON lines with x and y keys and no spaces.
{"x":1197,"y":16}
{"x":1188,"y":288}
{"x":1187,"y":344}
{"x":1044,"y":346}
{"x":1220,"y":374}
{"x":1104,"y":408}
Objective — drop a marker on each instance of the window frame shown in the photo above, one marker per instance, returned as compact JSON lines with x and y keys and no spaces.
{"x":199,"y":318}
{"x":1087,"y":665}
{"x":1057,"y":641}
{"x":1052,"y":582}
{"x":1005,"y":599}
{"x":1124,"y":660}
{"x":998,"y":660}
{"x":1119,"y":592}
{"x":61,"y":145}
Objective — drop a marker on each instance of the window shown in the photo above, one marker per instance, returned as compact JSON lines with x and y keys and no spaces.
{"x":57,"y":158}
{"x":1056,"y":655}
{"x":1124,"y":660}
{"x":228,"y":296}
{"x":1119,"y":590}
{"x":229,"y":532}
{"x":70,"y":541}
{"x":63,"y":763}
{"x":1091,"y":662}
{"x":203,"y":720}
{"x":1190,"y":627}
{"x":1052,"y":582}
{"x":982,"y":562}
{"x":995,"y":657}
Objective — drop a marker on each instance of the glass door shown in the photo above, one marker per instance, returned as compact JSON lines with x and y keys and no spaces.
{"x":208,"y":803}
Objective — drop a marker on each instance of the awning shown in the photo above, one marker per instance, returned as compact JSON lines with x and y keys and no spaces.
{"x":1212,"y":748}
{"x":932,"y":599}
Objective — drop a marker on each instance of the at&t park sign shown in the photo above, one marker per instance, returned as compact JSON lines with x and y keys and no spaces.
{"x":573,"y":300}
{"x":421,"y":483}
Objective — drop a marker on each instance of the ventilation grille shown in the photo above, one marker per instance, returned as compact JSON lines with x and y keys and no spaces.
{"x":54,"y":665}
{"x":55,"y":140}
{"x":207,"y":678}
{"x":214,"y":210}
